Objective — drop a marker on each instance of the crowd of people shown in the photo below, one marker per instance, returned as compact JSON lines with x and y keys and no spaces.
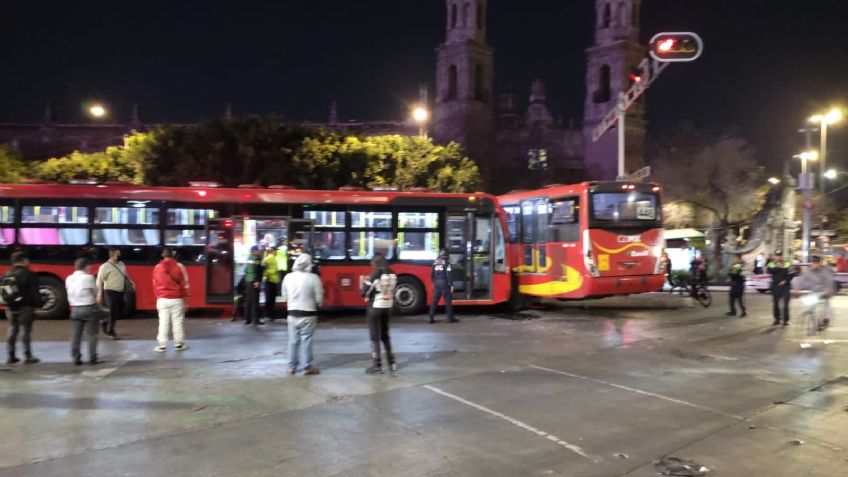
{"x":99,"y":302}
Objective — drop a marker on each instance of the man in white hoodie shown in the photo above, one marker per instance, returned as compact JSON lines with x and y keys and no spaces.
{"x":303,"y":294}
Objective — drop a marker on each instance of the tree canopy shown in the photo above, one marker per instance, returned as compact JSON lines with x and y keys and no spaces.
{"x":12,"y":168}
{"x":266,"y":151}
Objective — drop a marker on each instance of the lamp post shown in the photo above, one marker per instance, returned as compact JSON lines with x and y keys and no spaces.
{"x":97,"y":111}
{"x":421,"y":116}
{"x":806,"y":185}
{"x":831,"y":117}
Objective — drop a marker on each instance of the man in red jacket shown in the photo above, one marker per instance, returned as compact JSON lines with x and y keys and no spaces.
{"x":170,"y":285}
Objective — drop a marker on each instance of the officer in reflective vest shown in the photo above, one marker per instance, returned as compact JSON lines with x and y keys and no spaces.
{"x":442,"y":277}
{"x":737,"y":286}
{"x":781,"y":285}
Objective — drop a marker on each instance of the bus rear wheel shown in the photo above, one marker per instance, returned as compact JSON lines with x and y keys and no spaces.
{"x":410,"y":296}
{"x":54,"y":299}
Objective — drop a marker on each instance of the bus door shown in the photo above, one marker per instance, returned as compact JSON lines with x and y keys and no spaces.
{"x":534,"y":222}
{"x":220,"y":267}
{"x":469,"y":244}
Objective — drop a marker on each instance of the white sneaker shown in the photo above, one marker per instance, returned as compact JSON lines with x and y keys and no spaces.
{"x":393,"y":367}
{"x":160,"y":349}
{"x":180,"y":347}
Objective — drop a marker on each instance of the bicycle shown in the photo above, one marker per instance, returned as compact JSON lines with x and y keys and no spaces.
{"x":811,"y":326}
{"x":698,"y":290}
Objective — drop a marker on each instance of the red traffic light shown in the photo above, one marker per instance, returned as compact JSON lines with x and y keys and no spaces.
{"x":676,"y":47}
{"x":635,"y":75}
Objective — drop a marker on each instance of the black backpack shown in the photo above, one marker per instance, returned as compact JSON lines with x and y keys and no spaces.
{"x":10,"y":292}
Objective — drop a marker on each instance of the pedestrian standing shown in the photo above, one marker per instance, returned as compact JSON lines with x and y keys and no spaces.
{"x":303,"y":293}
{"x":818,"y":279}
{"x":378,"y":291}
{"x":252,"y":281}
{"x":20,"y":293}
{"x":442,"y":277}
{"x":737,"y":286}
{"x":171,"y":287}
{"x":271,"y":273}
{"x":759,"y":264}
{"x":781,"y":284}
{"x":82,"y":295}
{"x":113,"y":282}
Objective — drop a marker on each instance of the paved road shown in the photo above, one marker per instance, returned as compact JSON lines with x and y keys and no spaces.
{"x":582,"y":389}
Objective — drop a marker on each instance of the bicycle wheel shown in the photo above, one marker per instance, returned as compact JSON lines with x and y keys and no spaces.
{"x":705,"y":298}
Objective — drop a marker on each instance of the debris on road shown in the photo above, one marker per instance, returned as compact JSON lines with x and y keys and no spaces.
{"x":519,"y":316}
{"x":751,"y":426}
{"x":680,"y":467}
{"x":622,"y":456}
{"x":797,"y":442}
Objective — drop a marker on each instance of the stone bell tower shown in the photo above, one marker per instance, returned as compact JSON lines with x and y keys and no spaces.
{"x":464,"y":81}
{"x":611,"y":60}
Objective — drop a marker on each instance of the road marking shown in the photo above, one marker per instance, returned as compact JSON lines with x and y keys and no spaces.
{"x":639,"y":391}
{"x":527,"y":427}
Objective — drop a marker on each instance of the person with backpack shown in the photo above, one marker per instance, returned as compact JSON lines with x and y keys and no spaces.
{"x":378,"y":291}
{"x":113,"y":282}
{"x":82,"y":294}
{"x":170,"y":285}
{"x":19,"y":290}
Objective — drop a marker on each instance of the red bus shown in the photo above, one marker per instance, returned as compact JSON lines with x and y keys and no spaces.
{"x":586,"y":240}
{"x":212,"y":230}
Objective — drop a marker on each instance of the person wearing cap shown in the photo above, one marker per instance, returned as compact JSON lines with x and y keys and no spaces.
{"x":737,"y":286}
{"x":781,"y":272}
{"x":303,"y":293}
{"x":271,"y":275}
{"x":252,"y":281}
{"x":442,"y":277}
{"x":818,"y":279}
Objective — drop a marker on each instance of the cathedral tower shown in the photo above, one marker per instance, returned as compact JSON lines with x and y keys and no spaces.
{"x":614,"y":55}
{"x":464,"y":83}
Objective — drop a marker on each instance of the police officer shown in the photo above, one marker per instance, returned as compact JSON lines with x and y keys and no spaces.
{"x":737,"y":286}
{"x":442,"y":277}
{"x":781,"y":278}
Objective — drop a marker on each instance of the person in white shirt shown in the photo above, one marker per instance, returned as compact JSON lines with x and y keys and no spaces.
{"x":82,"y":295}
{"x":303,"y":293}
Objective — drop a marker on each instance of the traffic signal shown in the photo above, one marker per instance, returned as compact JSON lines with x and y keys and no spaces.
{"x":636,"y":75}
{"x":676,"y":47}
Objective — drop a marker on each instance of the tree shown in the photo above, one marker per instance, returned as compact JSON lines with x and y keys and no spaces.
{"x":717,"y":178}
{"x":12,"y":167}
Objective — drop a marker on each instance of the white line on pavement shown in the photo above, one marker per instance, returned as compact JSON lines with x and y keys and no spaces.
{"x":527,"y":427}
{"x":639,"y":391}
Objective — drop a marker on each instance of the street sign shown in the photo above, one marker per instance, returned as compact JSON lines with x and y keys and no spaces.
{"x":637,"y":176}
{"x":823,"y":233}
{"x":679,"y":46}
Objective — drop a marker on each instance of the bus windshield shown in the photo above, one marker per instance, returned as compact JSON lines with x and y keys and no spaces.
{"x":625,"y":209}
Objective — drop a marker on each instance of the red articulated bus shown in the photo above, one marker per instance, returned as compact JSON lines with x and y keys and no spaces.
{"x":212,"y":230}
{"x":586,"y":240}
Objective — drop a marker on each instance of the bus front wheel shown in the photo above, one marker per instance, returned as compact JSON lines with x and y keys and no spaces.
{"x":54,"y":299}
{"x":410,"y":296}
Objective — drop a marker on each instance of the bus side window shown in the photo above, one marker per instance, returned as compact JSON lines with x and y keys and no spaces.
{"x":513,"y":222}
{"x":565,"y":220}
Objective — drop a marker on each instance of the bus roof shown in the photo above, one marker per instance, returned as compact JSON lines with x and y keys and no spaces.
{"x":225,"y":195}
{"x":558,"y":190}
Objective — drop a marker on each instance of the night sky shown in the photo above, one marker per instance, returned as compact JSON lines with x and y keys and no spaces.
{"x":765,"y":68}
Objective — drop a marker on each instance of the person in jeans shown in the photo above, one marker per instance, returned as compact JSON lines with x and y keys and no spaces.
{"x":271,"y":274}
{"x":303,"y":294}
{"x":170,"y":285}
{"x":378,"y":291}
{"x":82,"y":293}
{"x":818,"y":279}
{"x":20,"y":313}
{"x":112,"y":279}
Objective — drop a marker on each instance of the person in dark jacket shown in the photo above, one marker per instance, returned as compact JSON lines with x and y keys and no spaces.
{"x":442,"y":277}
{"x":781,"y":285}
{"x":737,"y":286}
{"x":378,"y":291}
{"x":21,"y":314}
{"x":252,"y":281}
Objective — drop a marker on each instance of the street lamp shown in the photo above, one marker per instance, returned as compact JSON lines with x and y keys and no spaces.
{"x":774,"y":181}
{"x":421,"y":115}
{"x":831,"y":174}
{"x":831,"y":117}
{"x":97,"y":111}
{"x":806,"y":184}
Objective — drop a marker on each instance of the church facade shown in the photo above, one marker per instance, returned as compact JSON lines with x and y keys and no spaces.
{"x":517,"y":144}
